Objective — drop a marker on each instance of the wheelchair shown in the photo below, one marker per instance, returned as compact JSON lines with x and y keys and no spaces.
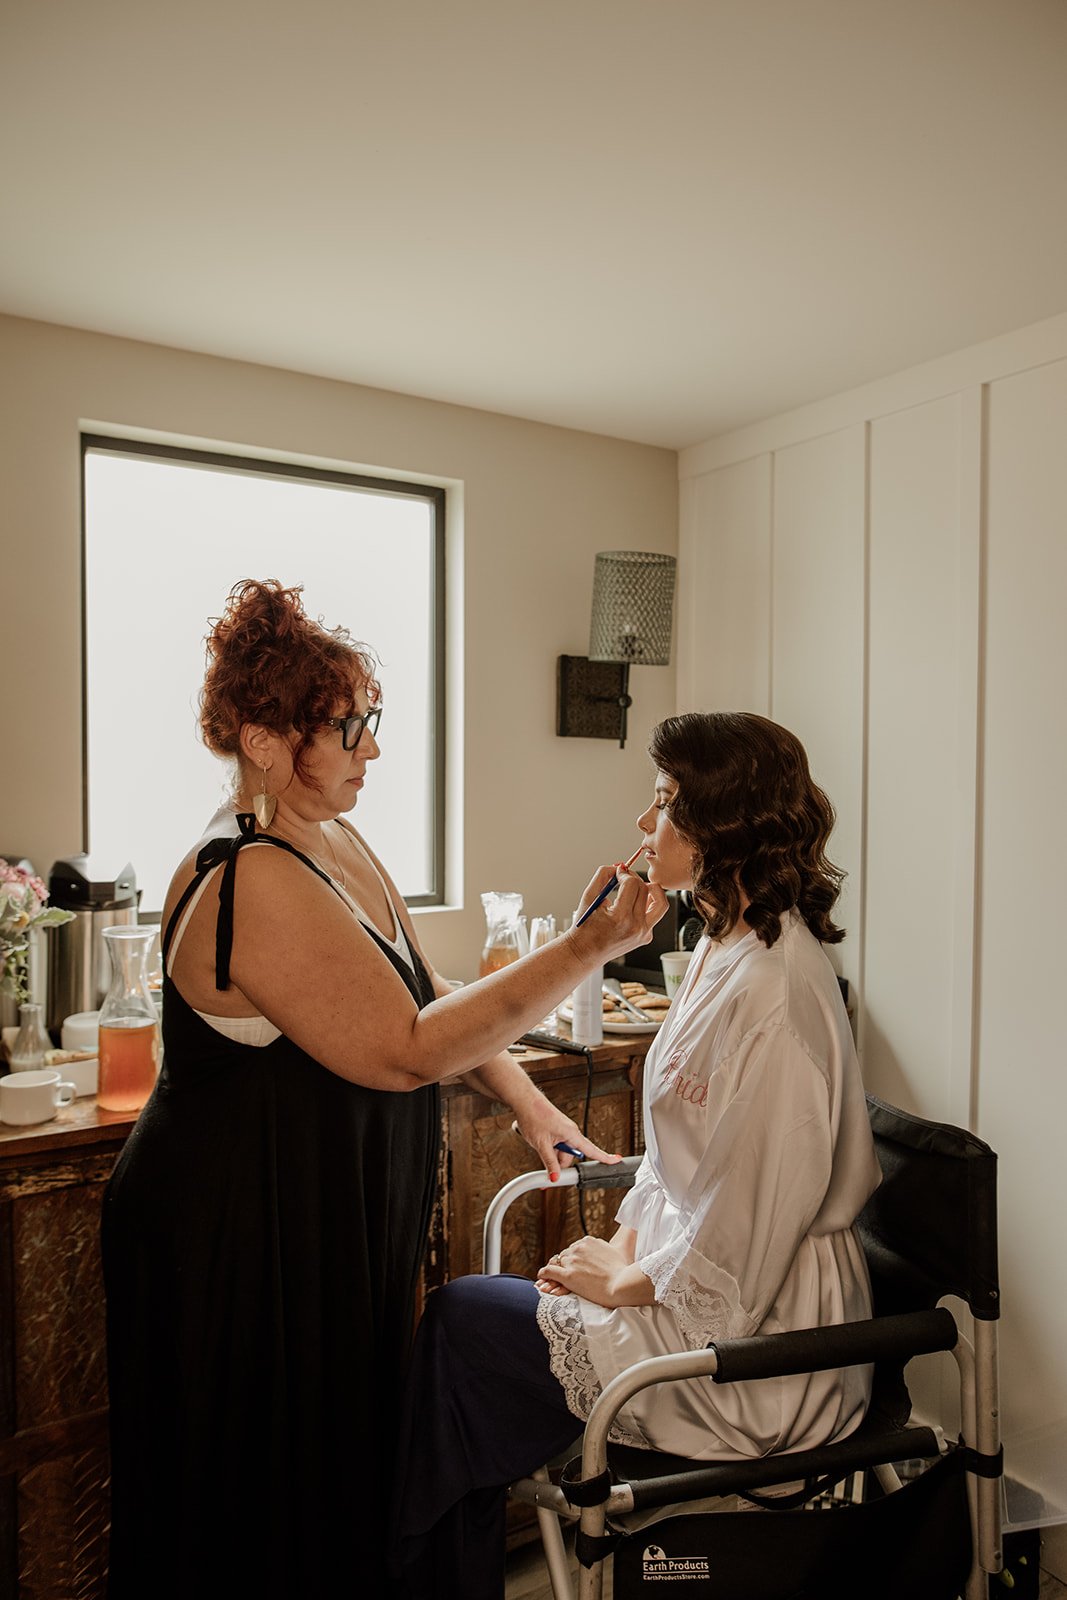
{"x":923,"y":1521}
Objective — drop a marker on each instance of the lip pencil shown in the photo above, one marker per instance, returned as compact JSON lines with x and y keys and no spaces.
{"x":609,"y":888}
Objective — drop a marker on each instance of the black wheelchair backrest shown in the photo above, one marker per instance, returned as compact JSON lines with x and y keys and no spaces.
{"x":930,"y":1229}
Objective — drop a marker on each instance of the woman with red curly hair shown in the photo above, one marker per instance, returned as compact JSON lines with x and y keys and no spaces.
{"x":265,"y":1223}
{"x":758,"y":1160}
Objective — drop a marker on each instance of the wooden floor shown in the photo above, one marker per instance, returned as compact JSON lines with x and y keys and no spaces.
{"x":528,"y":1578}
{"x":528,"y":1575}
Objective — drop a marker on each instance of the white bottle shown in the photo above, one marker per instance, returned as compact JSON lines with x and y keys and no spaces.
{"x":587,"y":1008}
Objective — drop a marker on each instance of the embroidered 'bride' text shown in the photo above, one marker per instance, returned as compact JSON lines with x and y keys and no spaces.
{"x":687,"y":1088}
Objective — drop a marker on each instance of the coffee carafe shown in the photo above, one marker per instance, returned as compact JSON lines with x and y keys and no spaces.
{"x":79,"y":968}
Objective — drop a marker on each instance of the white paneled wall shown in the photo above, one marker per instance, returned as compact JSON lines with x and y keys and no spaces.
{"x":886,"y":573}
{"x":817,"y":660}
{"x":913,"y":645}
{"x":1022,"y":1082}
{"x":725,"y":601}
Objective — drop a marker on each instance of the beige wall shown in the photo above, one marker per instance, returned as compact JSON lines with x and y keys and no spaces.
{"x":900,"y":558}
{"x":529,"y":507}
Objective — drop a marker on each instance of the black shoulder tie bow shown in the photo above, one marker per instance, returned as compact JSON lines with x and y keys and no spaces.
{"x":214,"y":852}
{"x":227,"y":850}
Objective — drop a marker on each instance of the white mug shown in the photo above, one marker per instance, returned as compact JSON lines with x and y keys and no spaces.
{"x":28,"y":1097}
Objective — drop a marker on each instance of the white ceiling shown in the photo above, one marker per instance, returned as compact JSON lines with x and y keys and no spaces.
{"x":658,"y":219}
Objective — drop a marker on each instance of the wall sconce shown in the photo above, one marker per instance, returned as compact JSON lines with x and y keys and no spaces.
{"x":633,"y":606}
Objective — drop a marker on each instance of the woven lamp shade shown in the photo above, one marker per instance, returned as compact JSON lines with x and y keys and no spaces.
{"x":633,"y":606}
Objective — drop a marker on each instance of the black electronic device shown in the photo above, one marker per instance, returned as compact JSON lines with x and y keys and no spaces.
{"x":538,"y":1039}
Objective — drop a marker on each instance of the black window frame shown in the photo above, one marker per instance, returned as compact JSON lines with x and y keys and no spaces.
{"x":255,"y":466}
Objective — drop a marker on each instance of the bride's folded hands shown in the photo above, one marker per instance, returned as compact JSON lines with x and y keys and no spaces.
{"x":598,"y":1271}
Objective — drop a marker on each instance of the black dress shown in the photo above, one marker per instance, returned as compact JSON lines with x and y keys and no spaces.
{"x":262,"y":1235}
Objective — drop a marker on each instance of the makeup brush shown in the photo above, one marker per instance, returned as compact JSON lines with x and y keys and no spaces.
{"x":609,"y":888}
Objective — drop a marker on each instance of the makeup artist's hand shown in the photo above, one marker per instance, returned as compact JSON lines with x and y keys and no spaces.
{"x":543,"y":1126}
{"x":623,"y":922}
{"x":597,"y":1271}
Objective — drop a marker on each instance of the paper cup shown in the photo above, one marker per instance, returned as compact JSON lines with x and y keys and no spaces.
{"x":674,"y":963}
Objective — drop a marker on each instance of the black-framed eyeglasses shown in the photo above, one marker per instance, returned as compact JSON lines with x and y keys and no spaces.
{"x":352,"y":727}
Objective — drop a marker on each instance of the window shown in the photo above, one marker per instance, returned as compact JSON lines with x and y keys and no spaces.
{"x":168,"y":533}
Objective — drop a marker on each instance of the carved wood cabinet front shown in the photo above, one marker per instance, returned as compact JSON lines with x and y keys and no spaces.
{"x":54,"y":1514}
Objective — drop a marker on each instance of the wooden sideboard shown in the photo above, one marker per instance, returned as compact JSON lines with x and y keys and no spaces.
{"x":53,"y":1382}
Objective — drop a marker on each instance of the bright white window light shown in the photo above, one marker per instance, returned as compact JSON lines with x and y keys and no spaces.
{"x":165,"y":541}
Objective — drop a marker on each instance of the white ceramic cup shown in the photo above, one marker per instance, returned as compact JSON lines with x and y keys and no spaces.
{"x":674,"y":963}
{"x":29,"y":1097}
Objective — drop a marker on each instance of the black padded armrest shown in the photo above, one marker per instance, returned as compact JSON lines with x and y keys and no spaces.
{"x":607,"y":1174}
{"x":849,"y":1344}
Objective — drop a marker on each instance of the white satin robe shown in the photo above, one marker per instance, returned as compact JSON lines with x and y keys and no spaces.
{"x":758,"y":1159}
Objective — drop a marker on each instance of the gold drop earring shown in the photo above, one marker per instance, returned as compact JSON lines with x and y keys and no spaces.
{"x":264,"y":805}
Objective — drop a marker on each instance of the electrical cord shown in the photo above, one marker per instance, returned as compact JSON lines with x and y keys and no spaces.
{"x":588,"y":1054}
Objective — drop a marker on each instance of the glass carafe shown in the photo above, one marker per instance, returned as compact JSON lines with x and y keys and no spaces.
{"x":505,"y":932}
{"x":542,"y":932}
{"x":129,"y":1036}
{"x":31,"y":1041}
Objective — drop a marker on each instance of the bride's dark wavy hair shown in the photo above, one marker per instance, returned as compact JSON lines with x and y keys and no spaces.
{"x":747,"y":804}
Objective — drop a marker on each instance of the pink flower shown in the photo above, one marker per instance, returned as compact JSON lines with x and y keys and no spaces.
{"x":18,"y":875}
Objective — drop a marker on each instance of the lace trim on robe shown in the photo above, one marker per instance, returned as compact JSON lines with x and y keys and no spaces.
{"x":559,"y":1318}
{"x":704,"y":1309}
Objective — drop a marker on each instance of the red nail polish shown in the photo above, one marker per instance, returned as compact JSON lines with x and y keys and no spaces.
{"x":552,"y":1177}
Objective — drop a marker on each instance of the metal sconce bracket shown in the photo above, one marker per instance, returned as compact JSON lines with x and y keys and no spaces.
{"x":592,"y":698}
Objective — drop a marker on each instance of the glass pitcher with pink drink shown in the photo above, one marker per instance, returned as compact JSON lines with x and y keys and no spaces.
{"x":129,"y":1032}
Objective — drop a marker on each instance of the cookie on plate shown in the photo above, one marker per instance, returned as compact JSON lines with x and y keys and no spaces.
{"x":652,"y":1002}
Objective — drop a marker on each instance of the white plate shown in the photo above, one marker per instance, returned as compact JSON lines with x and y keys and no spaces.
{"x":616,"y":1025}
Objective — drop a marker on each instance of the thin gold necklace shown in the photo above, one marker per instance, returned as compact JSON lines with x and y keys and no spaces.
{"x":338,"y":873}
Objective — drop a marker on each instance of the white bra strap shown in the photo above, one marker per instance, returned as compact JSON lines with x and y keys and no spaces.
{"x":194,"y":901}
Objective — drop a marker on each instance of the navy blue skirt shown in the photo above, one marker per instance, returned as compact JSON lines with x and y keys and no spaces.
{"x":481,"y":1409}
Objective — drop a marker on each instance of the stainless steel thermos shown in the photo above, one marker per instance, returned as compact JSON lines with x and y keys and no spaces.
{"x":79,"y":970}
